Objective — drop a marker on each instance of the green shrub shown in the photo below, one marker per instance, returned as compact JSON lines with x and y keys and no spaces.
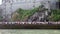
{"x":55,"y":15}
{"x":26,"y":13}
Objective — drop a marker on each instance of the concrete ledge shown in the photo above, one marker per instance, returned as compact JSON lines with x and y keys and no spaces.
{"x":29,"y":22}
{"x":29,"y":26}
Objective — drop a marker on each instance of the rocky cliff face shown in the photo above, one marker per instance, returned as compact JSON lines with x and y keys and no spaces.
{"x":40,"y":16}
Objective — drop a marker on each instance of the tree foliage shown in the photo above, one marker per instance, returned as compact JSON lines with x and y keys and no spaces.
{"x":24,"y":14}
{"x":55,"y":15}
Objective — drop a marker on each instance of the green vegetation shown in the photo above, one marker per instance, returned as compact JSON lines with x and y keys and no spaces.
{"x":24,"y":14}
{"x":55,"y":15}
